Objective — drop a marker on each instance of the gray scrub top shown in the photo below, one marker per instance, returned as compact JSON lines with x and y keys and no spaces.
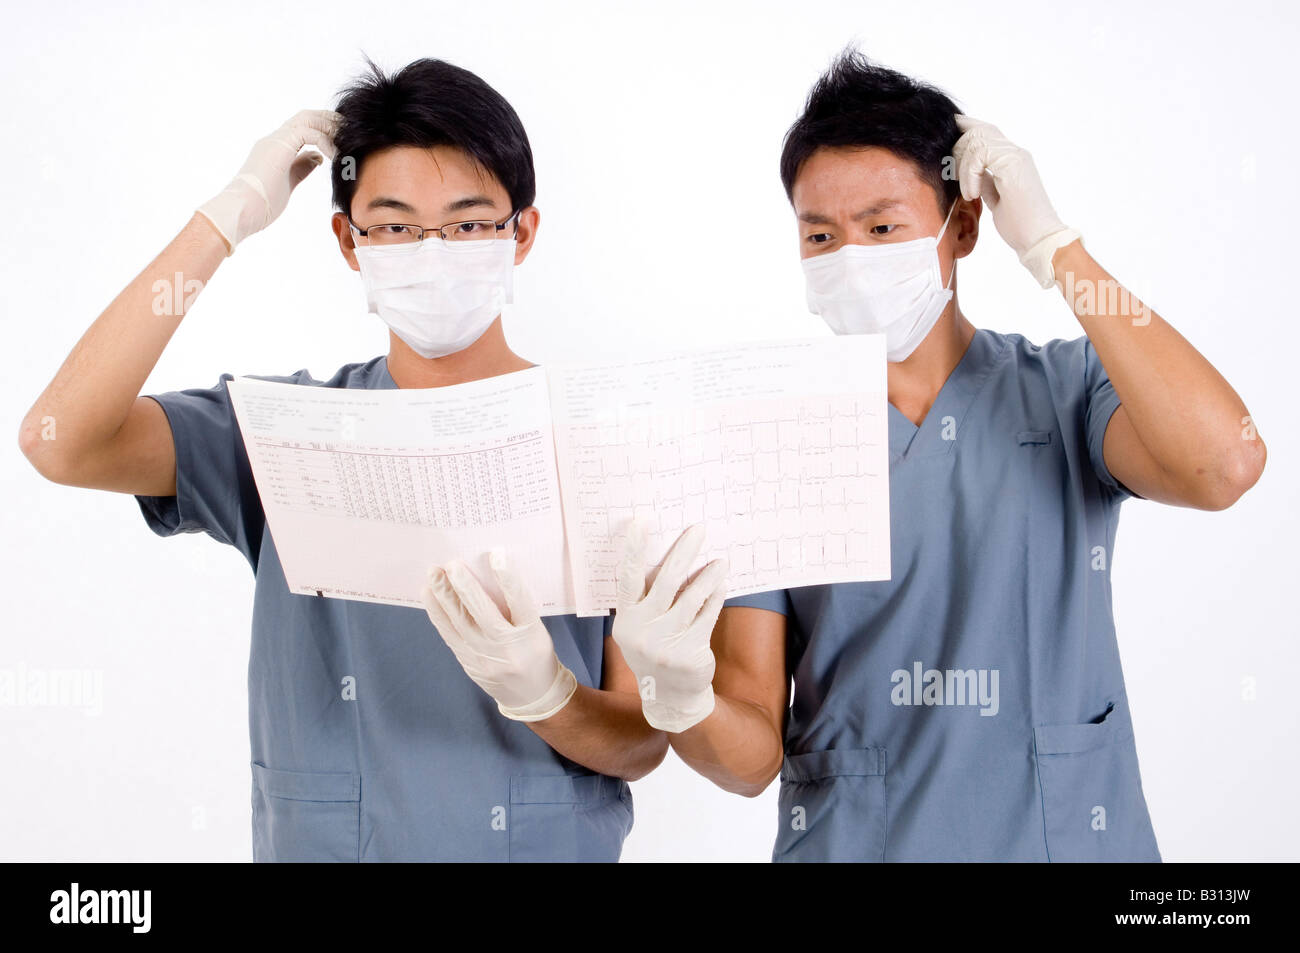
{"x":973,"y":707}
{"x":369,"y":742}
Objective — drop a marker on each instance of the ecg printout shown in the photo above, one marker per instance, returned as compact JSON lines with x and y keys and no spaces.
{"x":365,"y":490}
{"x":781,"y":449}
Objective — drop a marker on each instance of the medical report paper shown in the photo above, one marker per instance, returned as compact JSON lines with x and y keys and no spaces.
{"x":780,"y":448}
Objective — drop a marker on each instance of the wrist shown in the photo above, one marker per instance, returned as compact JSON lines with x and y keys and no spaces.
{"x":236,"y":210}
{"x":683,"y":714}
{"x":558,"y":694}
{"x":1067,"y":258}
{"x":1040,"y":259}
{"x":211,"y":215}
{"x":205,"y":230}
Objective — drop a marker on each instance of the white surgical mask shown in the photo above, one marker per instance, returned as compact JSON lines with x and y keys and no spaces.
{"x":438,"y":296}
{"x":894,"y":289}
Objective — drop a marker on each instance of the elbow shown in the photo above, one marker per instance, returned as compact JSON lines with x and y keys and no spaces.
{"x":755,"y":784}
{"x":754,"y":788}
{"x":36,"y":441}
{"x":651,"y":759}
{"x":1240,"y":472}
{"x":646,"y":758}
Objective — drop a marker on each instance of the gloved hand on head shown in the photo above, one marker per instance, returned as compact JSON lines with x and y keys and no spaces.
{"x":992,"y":168}
{"x":260,"y":192}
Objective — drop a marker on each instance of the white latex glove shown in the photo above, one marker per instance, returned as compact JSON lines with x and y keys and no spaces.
{"x":513,"y":660}
{"x":259,"y":193}
{"x":991,"y":167}
{"x":665,"y":636}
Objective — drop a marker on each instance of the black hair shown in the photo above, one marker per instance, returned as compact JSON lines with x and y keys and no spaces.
{"x":430,"y":103}
{"x":859,"y":103}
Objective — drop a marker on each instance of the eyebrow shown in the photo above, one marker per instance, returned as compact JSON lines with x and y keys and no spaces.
{"x":470,"y":201}
{"x":384,"y":201}
{"x":816,"y":218}
{"x":397,"y":205}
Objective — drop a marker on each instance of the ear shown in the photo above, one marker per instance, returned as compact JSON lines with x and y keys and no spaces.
{"x":342,"y":231}
{"x":525,"y":232}
{"x":966,"y":226}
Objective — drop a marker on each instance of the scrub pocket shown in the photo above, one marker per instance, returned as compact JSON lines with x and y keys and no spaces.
{"x":306,"y":816}
{"x":832,"y":806}
{"x":568,"y":817}
{"x":1093,"y":806}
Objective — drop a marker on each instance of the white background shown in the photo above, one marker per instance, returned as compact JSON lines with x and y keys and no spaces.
{"x":1165,"y":132}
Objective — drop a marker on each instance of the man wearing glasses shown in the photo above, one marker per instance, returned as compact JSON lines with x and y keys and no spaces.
{"x":374,"y":737}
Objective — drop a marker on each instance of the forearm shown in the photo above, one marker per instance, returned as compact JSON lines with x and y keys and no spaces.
{"x":604,"y":731}
{"x":1187,"y":416}
{"x":736,"y":747}
{"x":92,"y":392}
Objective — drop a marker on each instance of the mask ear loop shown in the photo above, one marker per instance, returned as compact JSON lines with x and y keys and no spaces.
{"x":946,"y":220}
{"x":953,"y":271}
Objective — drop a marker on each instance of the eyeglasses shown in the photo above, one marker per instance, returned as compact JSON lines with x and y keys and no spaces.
{"x":395,"y":234}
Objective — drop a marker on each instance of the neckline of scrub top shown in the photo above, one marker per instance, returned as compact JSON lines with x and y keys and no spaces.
{"x":383,"y":380}
{"x":907,"y":440}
